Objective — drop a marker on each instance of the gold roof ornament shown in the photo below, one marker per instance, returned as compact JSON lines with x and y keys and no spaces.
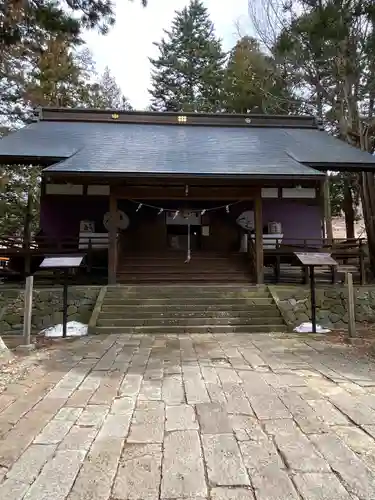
{"x":115,"y":116}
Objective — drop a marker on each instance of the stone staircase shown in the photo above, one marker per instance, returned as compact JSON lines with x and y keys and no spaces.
{"x":187,"y":309}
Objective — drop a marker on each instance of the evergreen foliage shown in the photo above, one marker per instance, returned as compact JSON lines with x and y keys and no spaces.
{"x":188,"y":74}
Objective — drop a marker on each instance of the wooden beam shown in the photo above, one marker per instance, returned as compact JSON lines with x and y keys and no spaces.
{"x":112,"y":240}
{"x":214,"y":193}
{"x":327,"y":211}
{"x":180,"y":119}
{"x":259,"y":240}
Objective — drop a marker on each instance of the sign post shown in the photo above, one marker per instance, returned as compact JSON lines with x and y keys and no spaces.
{"x":311,"y":260}
{"x":27,"y":313}
{"x":313,"y":298}
{"x":351,"y":306}
{"x":63,"y":262}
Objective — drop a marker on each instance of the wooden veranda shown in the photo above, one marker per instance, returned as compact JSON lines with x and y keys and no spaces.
{"x":279,"y":265}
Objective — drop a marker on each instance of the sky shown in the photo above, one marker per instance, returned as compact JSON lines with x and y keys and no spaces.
{"x":126,"y":49}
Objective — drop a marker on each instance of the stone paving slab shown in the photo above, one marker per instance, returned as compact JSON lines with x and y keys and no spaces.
{"x":139,"y":473}
{"x":147,"y":424}
{"x":259,"y":454}
{"x":180,"y":418}
{"x":55,"y":431}
{"x":231,"y":494}
{"x":225,"y":466}
{"x":13,"y":489}
{"x":183,"y":417}
{"x":172,"y":389}
{"x":314,"y":486}
{"x":78,"y":438}
{"x":213,"y":418}
{"x":57,"y":476}
{"x":93,"y":416}
{"x":183,"y":470}
{"x":273,"y":483}
{"x":356,"y":476}
{"x":195,"y":389}
{"x":28,"y":466}
{"x":269,"y":406}
{"x":95,"y":478}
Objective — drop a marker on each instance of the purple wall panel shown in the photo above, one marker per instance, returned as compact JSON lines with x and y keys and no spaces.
{"x":60,"y":215}
{"x":298,"y":220}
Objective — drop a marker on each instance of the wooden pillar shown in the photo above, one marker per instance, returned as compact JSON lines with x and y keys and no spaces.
{"x":259,"y":240}
{"x":322,"y":209}
{"x":112,"y":240}
{"x":327,"y":211}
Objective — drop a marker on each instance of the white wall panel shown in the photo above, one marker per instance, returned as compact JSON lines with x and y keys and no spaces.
{"x":70,"y":189}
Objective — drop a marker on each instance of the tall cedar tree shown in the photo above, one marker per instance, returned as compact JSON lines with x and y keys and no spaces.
{"x":254,"y":82}
{"x":331,"y":47}
{"x":106,"y":94}
{"x":26,"y":28}
{"x":61,"y":77}
{"x":189,"y":72}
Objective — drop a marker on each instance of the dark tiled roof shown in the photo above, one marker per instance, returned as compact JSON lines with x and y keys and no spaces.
{"x":135,"y":148}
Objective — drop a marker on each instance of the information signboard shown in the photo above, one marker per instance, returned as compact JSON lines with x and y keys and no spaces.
{"x":64,"y":262}
{"x":315,"y":259}
{"x":61,"y":262}
{"x":311,"y":260}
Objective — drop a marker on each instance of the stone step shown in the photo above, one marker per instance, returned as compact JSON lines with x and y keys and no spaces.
{"x":263,"y":305}
{"x":190,"y":299}
{"x":179,"y":298}
{"x":186,"y":290}
{"x":158,"y":313}
{"x":184,"y":321}
{"x":196,"y":329}
{"x":164,"y":295}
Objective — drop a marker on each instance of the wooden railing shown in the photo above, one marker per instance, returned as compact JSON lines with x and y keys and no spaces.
{"x":344,"y":251}
{"x":278,"y":251}
{"x":46,"y":245}
{"x":22,"y":255}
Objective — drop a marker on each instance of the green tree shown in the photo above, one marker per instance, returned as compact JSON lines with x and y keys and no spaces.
{"x":106,"y":94}
{"x":26,"y":30}
{"x":23,"y":184}
{"x":255,"y":83}
{"x":188,"y":74}
{"x":62,"y":76}
{"x":24,"y":22}
{"x":329,"y":47}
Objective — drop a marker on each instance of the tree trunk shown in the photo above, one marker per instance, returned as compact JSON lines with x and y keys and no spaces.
{"x":367,"y":187}
{"x":349,"y":212}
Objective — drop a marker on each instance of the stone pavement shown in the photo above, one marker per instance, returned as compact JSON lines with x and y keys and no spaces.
{"x":220,"y":417}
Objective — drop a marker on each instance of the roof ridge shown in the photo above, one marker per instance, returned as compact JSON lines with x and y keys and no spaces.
{"x":175,"y":118}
